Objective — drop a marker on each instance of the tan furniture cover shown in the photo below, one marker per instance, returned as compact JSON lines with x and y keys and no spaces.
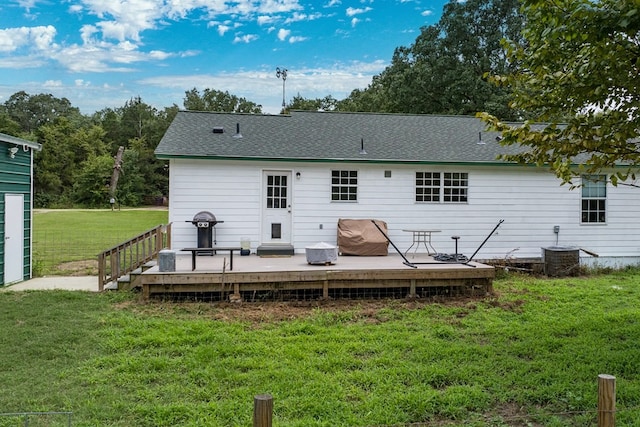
{"x":361,"y":237}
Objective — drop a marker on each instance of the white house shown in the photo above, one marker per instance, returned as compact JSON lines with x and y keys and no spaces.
{"x":286,"y":180}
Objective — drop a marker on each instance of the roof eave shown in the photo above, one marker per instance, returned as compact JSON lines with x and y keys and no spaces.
{"x":20,"y":142}
{"x":334,"y":160}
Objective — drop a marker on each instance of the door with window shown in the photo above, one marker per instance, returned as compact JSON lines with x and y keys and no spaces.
{"x":276,"y":207}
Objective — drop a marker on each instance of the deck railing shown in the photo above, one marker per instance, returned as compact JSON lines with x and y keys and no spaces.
{"x":132,"y":254}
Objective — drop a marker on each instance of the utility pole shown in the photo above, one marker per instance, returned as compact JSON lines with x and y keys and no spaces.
{"x":282,"y":74}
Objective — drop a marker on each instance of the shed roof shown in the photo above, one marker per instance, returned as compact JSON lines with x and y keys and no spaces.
{"x":19,"y":141}
{"x":331,"y":136}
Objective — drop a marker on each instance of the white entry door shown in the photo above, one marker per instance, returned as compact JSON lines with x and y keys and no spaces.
{"x":13,"y":238}
{"x":276,"y":207}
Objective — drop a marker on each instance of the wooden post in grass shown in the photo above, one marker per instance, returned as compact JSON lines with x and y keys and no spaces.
{"x":606,"y":400}
{"x":262,"y":410}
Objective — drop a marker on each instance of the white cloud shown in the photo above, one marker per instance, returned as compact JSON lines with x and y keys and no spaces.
{"x":283,"y":34}
{"x":22,"y":62}
{"x":351,"y":11}
{"x":427,"y":13}
{"x":189,"y":53}
{"x":13,"y":38}
{"x":222,"y":29}
{"x":298,"y":17}
{"x":159,"y":55}
{"x":297,"y":39}
{"x":98,"y":57}
{"x":246,"y":38}
{"x":75,"y":8}
{"x":41,"y":38}
{"x":87,"y":32}
{"x":53,"y":84}
{"x":26,"y":4}
{"x":119,"y":31}
{"x":266,"y":19}
{"x":354,"y":22}
{"x":278,"y":6}
{"x":125,"y":19}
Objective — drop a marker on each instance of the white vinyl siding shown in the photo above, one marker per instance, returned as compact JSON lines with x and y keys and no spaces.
{"x":530,"y":200}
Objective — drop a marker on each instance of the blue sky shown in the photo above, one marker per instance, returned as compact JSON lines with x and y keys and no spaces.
{"x":101,"y":53}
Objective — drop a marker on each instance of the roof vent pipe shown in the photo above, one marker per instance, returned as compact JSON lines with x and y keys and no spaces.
{"x":238,"y":134}
{"x":362,"y":150}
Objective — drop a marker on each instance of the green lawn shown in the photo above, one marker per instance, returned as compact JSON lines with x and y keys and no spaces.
{"x":64,"y":238}
{"x":527,"y":356}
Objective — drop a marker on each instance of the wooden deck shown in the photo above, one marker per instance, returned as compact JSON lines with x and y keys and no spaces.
{"x":257,"y":278}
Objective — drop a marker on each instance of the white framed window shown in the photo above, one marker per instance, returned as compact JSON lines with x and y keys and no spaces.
{"x":442,"y":187}
{"x":344,"y":186}
{"x":277,"y":192}
{"x":428,"y":186}
{"x":594,"y":199}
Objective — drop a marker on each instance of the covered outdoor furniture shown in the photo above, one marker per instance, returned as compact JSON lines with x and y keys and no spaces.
{"x":321,"y":254}
{"x":361,"y":237}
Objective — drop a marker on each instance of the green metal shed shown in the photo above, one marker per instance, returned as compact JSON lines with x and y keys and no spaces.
{"x":16,"y":204}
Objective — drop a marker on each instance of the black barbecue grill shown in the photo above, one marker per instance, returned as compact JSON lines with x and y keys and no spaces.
{"x":205,"y":222}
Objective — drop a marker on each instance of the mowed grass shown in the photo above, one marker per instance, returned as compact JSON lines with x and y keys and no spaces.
{"x":66,"y":236}
{"x":529,"y":355}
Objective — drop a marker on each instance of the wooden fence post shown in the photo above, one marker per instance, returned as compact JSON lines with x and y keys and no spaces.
{"x":606,"y":400}
{"x":262,"y":410}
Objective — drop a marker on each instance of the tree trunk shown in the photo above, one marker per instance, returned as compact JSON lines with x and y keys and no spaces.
{"x":117,"y":165}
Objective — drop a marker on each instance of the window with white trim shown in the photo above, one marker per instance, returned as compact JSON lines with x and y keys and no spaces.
{"x":344,"y":186}
{"x":442,"y":187}
{"x":594,"y":199}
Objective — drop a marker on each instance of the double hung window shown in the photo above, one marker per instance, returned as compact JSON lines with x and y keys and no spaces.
{"x":442,"y":187}
{"x":594,"y":199}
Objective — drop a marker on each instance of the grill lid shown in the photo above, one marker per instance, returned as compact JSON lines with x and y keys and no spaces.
{"x":204,"y":216}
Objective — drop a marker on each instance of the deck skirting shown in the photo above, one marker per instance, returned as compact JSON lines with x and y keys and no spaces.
{"x":322,"y":282}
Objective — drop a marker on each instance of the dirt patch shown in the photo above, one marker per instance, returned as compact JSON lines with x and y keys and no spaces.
{"x":369,"y":311}
{"x":79,"y":268}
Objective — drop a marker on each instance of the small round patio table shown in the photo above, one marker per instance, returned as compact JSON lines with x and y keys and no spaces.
{"x":421,"y":236}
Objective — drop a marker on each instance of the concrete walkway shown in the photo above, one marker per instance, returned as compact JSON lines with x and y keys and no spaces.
{"x":72,"y":283}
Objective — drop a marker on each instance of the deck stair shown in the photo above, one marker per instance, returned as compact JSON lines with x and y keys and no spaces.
{"x":131,"y":280}
{"x":120,"y":266}
{"x":275,"y":250}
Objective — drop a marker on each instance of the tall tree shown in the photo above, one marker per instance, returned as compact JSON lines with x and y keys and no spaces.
{"x":215,"y":100}
{"x":64,"y":150}
{"x":134,"y":187}
{"x":9,"y":126}
{"x":579,"y":74}
{"x":33,"y":111}
{"x":328,"y":103}
{"x":138,"y":127}
{"x":444,"y":70}
{"x":91,"y":184}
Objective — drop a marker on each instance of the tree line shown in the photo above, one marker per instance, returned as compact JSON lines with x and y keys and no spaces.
{"x":569,"y":61}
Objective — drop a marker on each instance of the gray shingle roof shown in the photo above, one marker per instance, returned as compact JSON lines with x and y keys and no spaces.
{"x":330,"y":136}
